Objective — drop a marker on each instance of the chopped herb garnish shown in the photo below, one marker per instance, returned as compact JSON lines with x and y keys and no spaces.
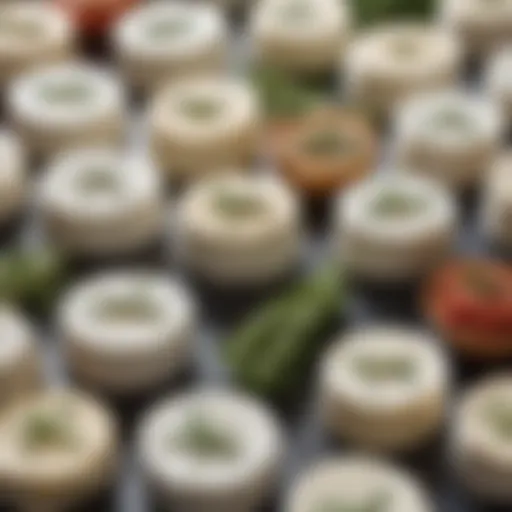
{"x":379,"y":369}
{"x":133,"y":308}
{"x":66,"y":92}
{"x":237,"y":204}
{"x":379,"y":502}
{"x":201,"y":108}
{"x":298,"y":11}
{"x":47,"y":429}
{"x":499,"y":416}
{"x":328,"y":143}
{"x":404,"y":47}
{"x":168,"y":28}
{"x":397,"y":204}
{"x":98,"y":179}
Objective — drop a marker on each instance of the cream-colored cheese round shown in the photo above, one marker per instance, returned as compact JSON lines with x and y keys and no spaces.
{"x":56,"y":449}
{"x":482,"y":25}
{"x":496,"y":213}
{"x":202,"y":124}
{"x":98,"y":202}
{"x":384,"y":387}
{"x":481,"y":447}
{"x":66,"y":106}
{"x":498,"y":81}
{"x":211,"y":451}
{"x":452,"y":136}
{"x":300,"y":35}
{"x":13,"y":176}
{"x":164,"y":41}
{"x":357,"y":483}
{"x":32,"y":34}
{"x":239,"y":229}
{"x":387,"y":64}
{"x":20,"y":365}
{"x":395,"y":226}
{"x":127,"y":331}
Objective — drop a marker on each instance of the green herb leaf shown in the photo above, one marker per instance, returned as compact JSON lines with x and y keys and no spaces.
{"x":47,"y":429}
{"x":379,"y":502}
{"x":377,"y":369}
{"x":393,"y":203}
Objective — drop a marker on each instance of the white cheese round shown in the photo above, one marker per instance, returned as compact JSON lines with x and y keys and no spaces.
{"x":385,"y":65}
{"x":56,"y":449}
{"x":32,"y":34}
{"x":239,"y":229}
{"x":300,"y":35}
{"x":13,"y":176}
{"x":482,"y":25}
{"x":97,"y":202}
{"x":67,"y":106}
{"x":385,"y":387}
{"x":202,"y":124}
{"x":127,"y":332}
{"x":211,"y":451}
{"x":20,"y":365}
{"x":357,"y":483}
{"x":498,"y":81}
{"x":481,"y":438}
{"x":394,"y":227}
{"x":450,"y":135}
{"x":164,"y":41}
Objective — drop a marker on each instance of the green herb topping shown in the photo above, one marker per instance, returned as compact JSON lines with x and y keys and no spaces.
{"x":203,"y":109}
{"x":70,"y":92}
{"x":393,"y":204}
{"x":379,"y":502}
{"x":167,"y":28}
{"x":297,"y":11}
{"x":133,"y":308}
{"x":499,"y":416}
{"x":47,"y":429}
{"x":328,"y":143}
{"x":386,"y":368}
{"x":98,"y":179}
{"x":237,"y":205}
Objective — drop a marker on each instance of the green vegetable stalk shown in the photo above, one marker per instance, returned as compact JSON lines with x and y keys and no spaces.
{"x":368,"y":12}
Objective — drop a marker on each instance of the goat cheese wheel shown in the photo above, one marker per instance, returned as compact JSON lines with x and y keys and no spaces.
{"x":96,"y":202}
{"x":304,"y":36}
{"x":127,"y":332}
{"x":202,"y":124}
{"x":239,"y":230}
{"x":385,"y":387}
{"x":498,"y":81}
{"x":357,"y":483}
{"x":66,"y":106}
{"x":20,"y":366}
{"x":164,"y":41}
{"x":481,"y":438}
{"x":13,"y":177}
{"x":394,"y":227}
{"x":449,"y":135}
{"x":56,"y":449}
{"x":211,"y":451}
{"x":31,"y":34}
{"x":385,"y":65}
{"x":497,"y":202}
{"x":482,"y":25}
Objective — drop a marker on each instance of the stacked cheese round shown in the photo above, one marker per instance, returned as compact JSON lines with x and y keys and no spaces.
{"x":164,"y":41}
{"x":385,"y":387}
{"x":388,"y":64}
{"x":67,"y":106}
{"x":499,"y":81}
{"x":394,"y":227}
{"x":239,"y":230}
{"x":305,"y":36}
{"x":20,"y":367}
{"x":450,"y":135}
{"x":13,"y":176}
{"x":96,"y":202}
{"x":31,"y":34}
{"x":56,"y":449}
{"x":357,"y":483}
{"x":127,"y":332}
{"x":481,"y":435}
{"x":482,"y":25}
{"x":211,"y":451}
{"x":202,"y":124}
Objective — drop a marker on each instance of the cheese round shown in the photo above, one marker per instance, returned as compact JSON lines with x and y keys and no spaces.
{"x":13,"y":176}
{"x":498,"y":81}
{"x":357,"y":483}
{"x":450,"y":135}
{"x":96,"y":202}
{"x":127,"y":332}
{"x":385,"y":387}
{"x":211,"y":450}
{"x":482,"y":25}
{"x":239,"y":230}
{"x":394,"y":227}
{"x":65,"y":106}
{"x":31,"y":34}
{"x":56,"y":449}
{"x":305,"y":36}
{"x":164,"y":41}
{"x":481,"y":446}
{"x":20,"y":365}
{"x":387,"y":64}
{"x":202,"y":124}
